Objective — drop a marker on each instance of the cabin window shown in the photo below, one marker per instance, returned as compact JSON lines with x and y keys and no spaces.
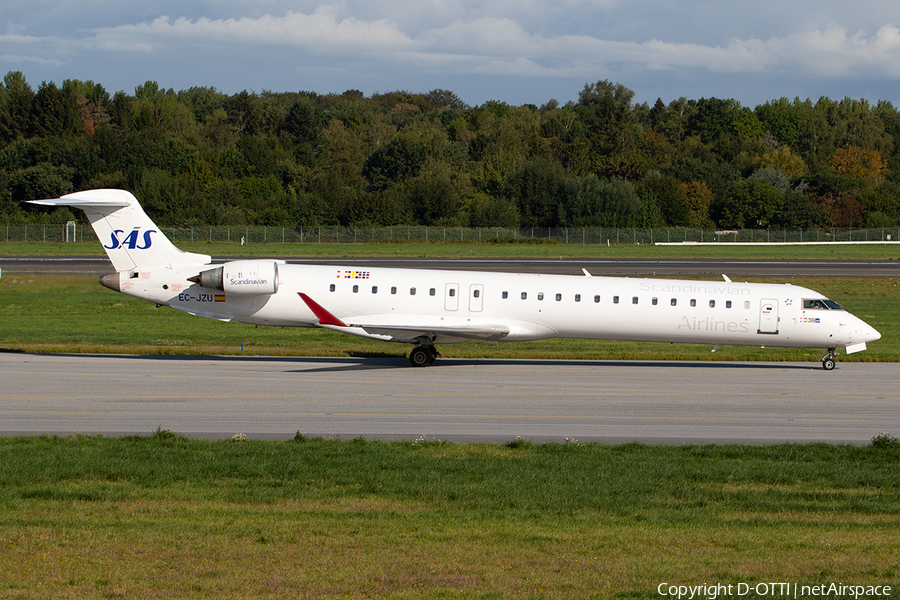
{"x":596,"y":299}
{"x":558,"y":297}
{"x":728,"y":304}
{"x":615,"y":299}
{"x":452,"y":292}
{"x":431,"y":292}
{"x":374,"y":289}
{"x":674,"y":302}
{"x":476,"y":293}
{"x":393,"y":289}
{"x":505,"y":295}
{"x":746,"y":304}
{"x":524,"y":295}
{"x":540,"y":295}
{"x":355,"y":289}
{"x":412,"y":291}
{"x":577,"y":297}
{"x":634,"y":300}
{"x":331,"y":288}
{"x":654,"y":301}
{"x":712,"y":303}
{"x":693,"y":302}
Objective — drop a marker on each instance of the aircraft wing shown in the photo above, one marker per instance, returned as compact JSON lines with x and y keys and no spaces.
{"x":200,"y":313}
{"x":411,"y":333}
{"x":408,"y":332}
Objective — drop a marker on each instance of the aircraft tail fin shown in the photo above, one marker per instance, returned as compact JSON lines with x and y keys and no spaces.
{"x":131,"y":240}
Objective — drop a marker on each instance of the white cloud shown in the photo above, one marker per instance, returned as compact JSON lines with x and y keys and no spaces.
{"x":499,"y":43}
{"x":321,"y":29}
{"x":12,"y":59}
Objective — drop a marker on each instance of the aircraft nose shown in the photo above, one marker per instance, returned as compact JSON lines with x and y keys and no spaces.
{"x":866,"y":331}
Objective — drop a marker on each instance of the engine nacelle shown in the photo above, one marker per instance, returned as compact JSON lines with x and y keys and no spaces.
{"x":241,"y":278}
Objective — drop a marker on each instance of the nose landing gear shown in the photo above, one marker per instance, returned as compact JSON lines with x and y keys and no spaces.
{"x":827,"y":359}
{"x":422,"y":356}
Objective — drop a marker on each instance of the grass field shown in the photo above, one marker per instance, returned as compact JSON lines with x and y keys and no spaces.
{"x":166,"y":517}
{"x":73,"y":313}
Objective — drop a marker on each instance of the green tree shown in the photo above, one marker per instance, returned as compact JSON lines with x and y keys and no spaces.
{"x":41,"y":181}
{"x":699,"y":200}
{"x":55,"y":111}
{"x":432,"y":197}
{"x":537,"y":186}
{"x":592,"y":202}
{"x":489,"y":211}
{"x":751,"y":203}
{"x":782,"y":119}
{"x":16,"y":101}
{"x":606,"y":111}
{"x":669,"y":195}
{"x":445,"y":99}
{"x":393,"y":163}
{"x":784,"y":160}
{"x":713,"y":120}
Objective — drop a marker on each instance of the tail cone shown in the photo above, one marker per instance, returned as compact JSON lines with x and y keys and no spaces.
{"x":111,"y":281}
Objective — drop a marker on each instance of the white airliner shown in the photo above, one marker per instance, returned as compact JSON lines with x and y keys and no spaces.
{"x":430,"y":307}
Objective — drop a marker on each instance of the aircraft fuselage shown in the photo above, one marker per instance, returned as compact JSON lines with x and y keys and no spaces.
{"x":531,"y":306}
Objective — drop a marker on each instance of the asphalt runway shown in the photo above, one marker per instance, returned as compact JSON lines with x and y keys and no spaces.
{"x":628,"y":267}
{"x":455,"y":400}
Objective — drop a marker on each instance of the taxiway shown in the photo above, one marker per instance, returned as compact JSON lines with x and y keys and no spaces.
{"x":456,"y":400}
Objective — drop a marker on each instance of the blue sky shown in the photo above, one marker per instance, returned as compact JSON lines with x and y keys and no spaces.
{"x":517,"y":51}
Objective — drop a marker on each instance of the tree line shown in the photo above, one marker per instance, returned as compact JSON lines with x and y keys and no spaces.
{"x":203,"y":157}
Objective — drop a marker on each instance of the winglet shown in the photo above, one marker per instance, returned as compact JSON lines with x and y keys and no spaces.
{"x":585,"y":271}
{"x":325,"y":317}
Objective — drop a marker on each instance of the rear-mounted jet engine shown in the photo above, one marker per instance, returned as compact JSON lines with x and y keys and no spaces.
{"x":241,"y":278}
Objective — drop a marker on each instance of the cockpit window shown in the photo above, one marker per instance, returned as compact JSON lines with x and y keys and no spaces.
{"x":821,"y":304}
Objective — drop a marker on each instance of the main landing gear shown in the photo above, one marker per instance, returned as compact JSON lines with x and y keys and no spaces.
{"x":422,"y":356}
{"x":827,"y":359}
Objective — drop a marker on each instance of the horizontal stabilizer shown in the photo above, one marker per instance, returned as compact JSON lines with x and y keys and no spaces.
{"x":108,"y":202}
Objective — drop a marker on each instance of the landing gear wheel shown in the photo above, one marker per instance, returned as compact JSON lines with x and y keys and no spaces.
{"x":422,"y":356}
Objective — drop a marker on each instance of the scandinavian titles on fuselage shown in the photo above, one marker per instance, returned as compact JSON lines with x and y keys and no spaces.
{"x":693,"y":288}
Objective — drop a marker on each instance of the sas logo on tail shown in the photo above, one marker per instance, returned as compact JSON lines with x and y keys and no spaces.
{"x":130,"y":241}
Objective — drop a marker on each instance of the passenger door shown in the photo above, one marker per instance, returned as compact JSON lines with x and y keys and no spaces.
{"x":768,"y":316}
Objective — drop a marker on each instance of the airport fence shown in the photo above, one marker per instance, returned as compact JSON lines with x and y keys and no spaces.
{"x":73,"y":231}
